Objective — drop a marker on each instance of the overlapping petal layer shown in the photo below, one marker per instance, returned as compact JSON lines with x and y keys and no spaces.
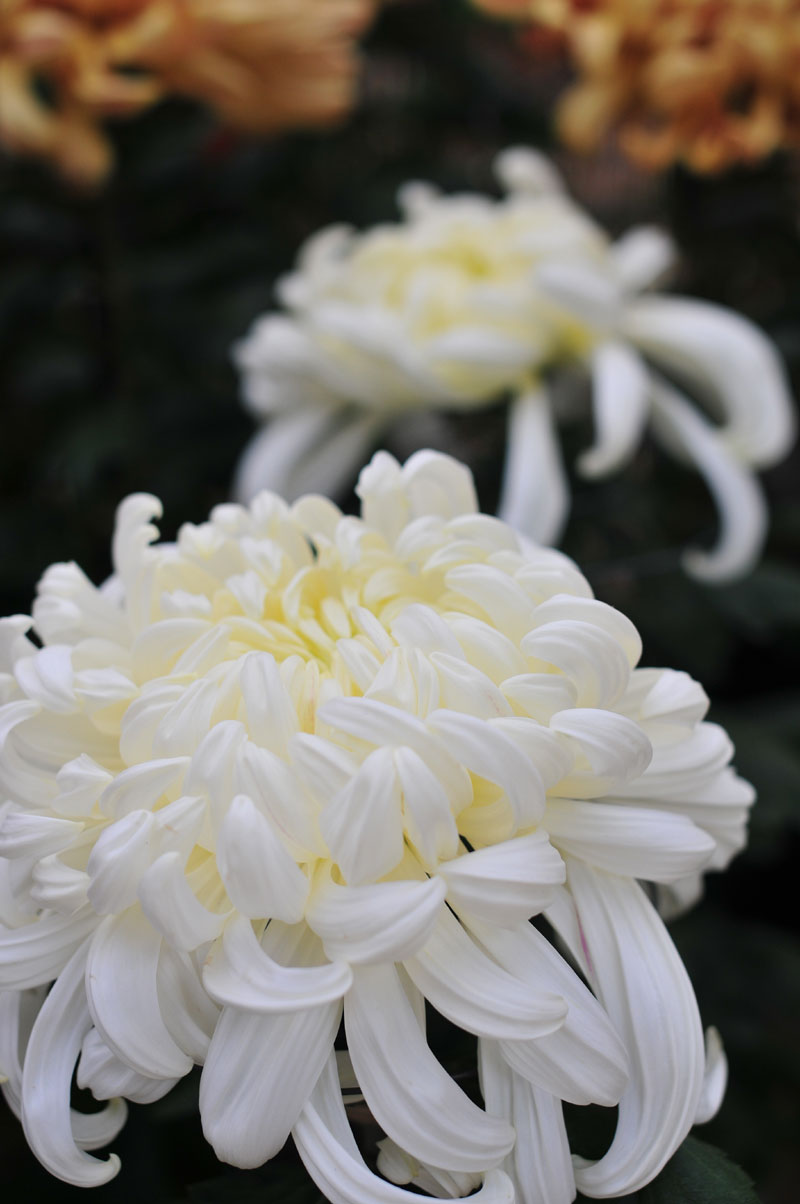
{"x":297,"y":768}
{"x":468,"y":301}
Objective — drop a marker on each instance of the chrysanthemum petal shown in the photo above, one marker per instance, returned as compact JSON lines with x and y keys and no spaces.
{"x":475,"y":993}
{"x":387,"y":921}
{"x":330,"y":1155}
{"x":535,"y":495}
{"x":620,"y":405}
{"x":633,"y":841}
{"x":122,"y":993}
{"x":258,"y":1076}
{"x":507,"y":882}
{"x":539,"y":1165}
{"x":260,"y":875}
{"x":413,"y":1098}
{"x":240,"y":973}
{"x":583,"y":1061}
{"x":50,"y":1058}
{"x":646,"y":991}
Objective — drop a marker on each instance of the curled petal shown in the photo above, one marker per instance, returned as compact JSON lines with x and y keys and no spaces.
{"x":620,"y":404}
{"x":50,"y":1058}
{"x":413,"y":1098}
{"x":475,"y":993}
{"x":645,"y":989}
{"x":330,"y":1155}
{"x":239,"y":972}
{"x":387,"y":921}
{"x":122,"y":993}
{"x":507,"y":882}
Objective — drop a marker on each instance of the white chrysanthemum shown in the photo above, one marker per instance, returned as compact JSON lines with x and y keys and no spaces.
{"x":296,"y":766}
{"x":469,"y":299}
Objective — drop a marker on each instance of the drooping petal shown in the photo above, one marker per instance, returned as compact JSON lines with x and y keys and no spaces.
{"x":539,"y":1166}
{"x":740,"y":501}
{"x":645,"y":989}
{"x":240,"y":973}
{"x":715,"y":1079}
{"x":620,"y":405}
{"x":413,"y":1098}
{"x":122,"y":993}
{"x":50,"y":1058}
{"x":101,"y":1072}
{"x":306,"y":450}
{"x":330,"y":1155}
{"x":584,"y":1060}
{"x":535,"y":495}
{"x":475,"y":993}
{"x":731,"y":362}
{"x":258,"y":1076}
{"x":36,"y":953}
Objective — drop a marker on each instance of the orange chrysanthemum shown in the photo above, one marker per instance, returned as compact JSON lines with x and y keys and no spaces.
{"x":707,"y":82}
{"x":263,"y":64}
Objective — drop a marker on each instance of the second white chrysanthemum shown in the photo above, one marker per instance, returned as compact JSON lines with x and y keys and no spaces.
{"x":298,"y":766}
{"x":470,"y":299}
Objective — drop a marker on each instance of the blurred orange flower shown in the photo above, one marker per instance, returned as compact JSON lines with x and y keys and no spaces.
{"x":263,"y":64}
{"x":708,"y":82}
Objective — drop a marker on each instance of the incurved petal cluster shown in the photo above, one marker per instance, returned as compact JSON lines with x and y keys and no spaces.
{"x":297,"y":767}
{"x":712,"y":85}
{"x":264,"y":65}
{"x":469,"y":300}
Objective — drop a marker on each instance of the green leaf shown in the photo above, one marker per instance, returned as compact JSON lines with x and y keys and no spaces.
{"x":697,"y":1174}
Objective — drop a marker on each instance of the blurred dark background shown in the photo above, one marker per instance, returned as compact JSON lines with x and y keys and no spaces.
{"x":117,"y":313}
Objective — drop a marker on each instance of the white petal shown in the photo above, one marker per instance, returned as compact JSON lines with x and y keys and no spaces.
{"x":535,"y":496}
{"x":620,"y":405}
{"x":36,"y":953}
{"x":540,"y":695}
{"x":101,"y":1072}
{"x":364,"y":924}
{"x":261,"y":877}
{"x":475,"y":993}
{"x":81,"y":782}
{"x":386,"y":726}
{"x":239,"y":972}
{"x":172,"y":907}
{"x":47,"y":678}
{"x":633,"y":841}
{"x":507,"y":882}
{"x":587,"y":655}
{"x":258,"y":1076}
{"x":728,"y":358}
{"x":715,"y":1079}
{"x":123,"y":997}
{"x":429,"y":824}
{"x":306,"y":450}
{"x":188,"y":1012}
{"x":409,"y":1093}
{"x":362,"y":823}
{"x":23,"y":834}
{"x":615,"y":747}
{"x":641,"y":256}
{"x":485,"y":750}
{"x":332,"y":1159}
{"x":539,"y":1165}
{"x":58,"y":887}
{"x":271,"y":717}
{"x":273,"y":786}
{"x":120,"y":856}
{"x":582,"y":1062}
{"x":589,"y":610}
{"x":141,"y":786}
{"x":645,"y":989}
{"x":50,"y":1058}
{"x":740,"y":501}
{"x":522,"y":170}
